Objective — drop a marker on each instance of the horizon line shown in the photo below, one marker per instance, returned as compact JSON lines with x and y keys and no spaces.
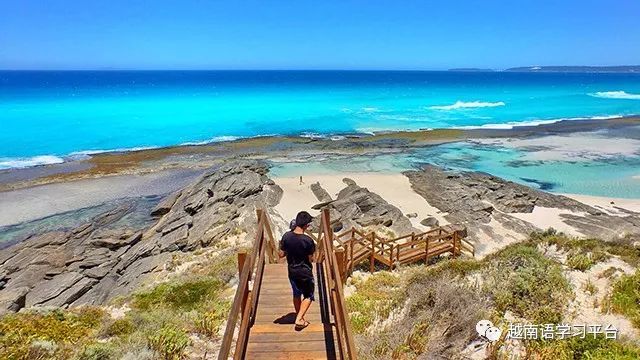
{"x":461,"y":69}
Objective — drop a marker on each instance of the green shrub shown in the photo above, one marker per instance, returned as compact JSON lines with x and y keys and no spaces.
{"x":179,"y":296}
{"x":520,"y":279}
{"x":170,"y":343}
{"x":625,"y":297}
{"x":63,"y":328}
{"x":119,"y":327}
{"x":97,"y":351}
{"x":589,"y":348}
{"x":374,"y":299}
{"x":580,"y":262}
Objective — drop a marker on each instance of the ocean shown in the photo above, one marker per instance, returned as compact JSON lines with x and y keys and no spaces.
{"x":49,"y":115}
{"x":53,"y":116}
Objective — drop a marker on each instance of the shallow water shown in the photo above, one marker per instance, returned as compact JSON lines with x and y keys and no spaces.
{"x":614,"y":176}
{"x":48,"y":116}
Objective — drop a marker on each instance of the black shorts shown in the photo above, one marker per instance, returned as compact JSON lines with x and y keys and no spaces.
{"x":301,"y":279}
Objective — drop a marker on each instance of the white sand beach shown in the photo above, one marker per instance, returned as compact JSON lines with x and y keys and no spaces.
{"x":394,"y":188}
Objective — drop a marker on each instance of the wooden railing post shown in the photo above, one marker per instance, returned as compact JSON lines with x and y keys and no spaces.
{"x":426,"y":251}
{"x":373,"y":252}
{"x":341,"y":265}
{"x":455,"y":238}
{"x":242,"y":257}
{"x":391,"y":256}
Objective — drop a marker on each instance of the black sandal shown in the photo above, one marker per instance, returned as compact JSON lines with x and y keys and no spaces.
{"x":299,"y":327}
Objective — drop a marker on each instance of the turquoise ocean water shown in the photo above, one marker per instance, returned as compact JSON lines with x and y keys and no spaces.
{"x":48,"y":117}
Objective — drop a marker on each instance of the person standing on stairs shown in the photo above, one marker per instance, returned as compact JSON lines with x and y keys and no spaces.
{"x":299,"y":249}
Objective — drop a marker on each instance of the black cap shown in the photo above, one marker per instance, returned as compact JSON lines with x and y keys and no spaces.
{"x":303,"y":219}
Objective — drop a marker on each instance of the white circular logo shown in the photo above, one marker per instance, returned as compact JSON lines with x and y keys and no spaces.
{"x":486,"y":329}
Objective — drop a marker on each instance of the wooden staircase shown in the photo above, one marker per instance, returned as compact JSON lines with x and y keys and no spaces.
{"x":261,"y":320}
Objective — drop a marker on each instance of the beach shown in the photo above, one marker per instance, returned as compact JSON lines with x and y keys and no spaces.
{"x":376,"y":162}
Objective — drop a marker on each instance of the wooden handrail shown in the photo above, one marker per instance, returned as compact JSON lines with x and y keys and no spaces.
{"x":389,"y":251}
{"x":245,"y":299}
{"x":334,"y":283}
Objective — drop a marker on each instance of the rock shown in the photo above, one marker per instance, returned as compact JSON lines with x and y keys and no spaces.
{"x":412,"y":215}
{"x":100,"y":271}
{"x":113,"y":244}
{"x":52,"y":238}
{"x":349,"y":182}
{"x":49,"y":289}
{"x":185,"y":220}
{"x":142,"y":249}
{"x":166,"y":204}
{"x":430,"y":222}
{"x":104,"y":258}
{"x":12,"y":300}
{"x":357,"y":206}
{"x":175,"y":240}
{"x":470,"y":198}
{"x":320,"y":193}
{"x":72,"y":294}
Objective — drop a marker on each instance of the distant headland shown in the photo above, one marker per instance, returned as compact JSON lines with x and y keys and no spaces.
{"x":577,"y":69}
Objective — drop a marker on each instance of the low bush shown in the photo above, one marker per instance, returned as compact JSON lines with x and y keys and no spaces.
{"x":170,"y":343}
{"x":98,"y":351}
{"x":520,"y":279}
{"x":63,"y":330}
{"x":576,"y":348}
{"x":582,"y":262}
{"x":625,"y":297}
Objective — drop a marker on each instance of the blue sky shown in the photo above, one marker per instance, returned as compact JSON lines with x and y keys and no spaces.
{"x":302,"y":34}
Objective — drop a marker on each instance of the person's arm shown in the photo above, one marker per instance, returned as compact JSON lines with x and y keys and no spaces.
{"x":281,"y":252}
{"x":312,"y":257}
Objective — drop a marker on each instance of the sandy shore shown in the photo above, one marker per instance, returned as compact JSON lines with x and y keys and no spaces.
{"x":394,"y":188}
{"x":45,"y":200}
{"x":608,"y":204}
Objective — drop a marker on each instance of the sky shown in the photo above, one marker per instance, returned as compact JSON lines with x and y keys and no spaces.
{"x":327,"y":34}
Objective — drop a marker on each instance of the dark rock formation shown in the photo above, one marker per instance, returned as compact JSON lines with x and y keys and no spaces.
{"x":94,"y":262}
{"x":430,"y":222}
{"x":475,"y":199}
{"x":356,"y":206}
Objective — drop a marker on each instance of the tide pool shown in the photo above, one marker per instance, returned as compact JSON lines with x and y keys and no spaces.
{"x":613,"y":176}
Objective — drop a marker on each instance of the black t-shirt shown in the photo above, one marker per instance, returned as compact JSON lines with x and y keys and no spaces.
{"x":298,"y":247}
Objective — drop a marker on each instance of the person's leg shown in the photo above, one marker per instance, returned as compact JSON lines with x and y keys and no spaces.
{"x":307,"y":291}
{"x":296,"y":303}
{"x":304,"y":307}
{"x":297,"y":296}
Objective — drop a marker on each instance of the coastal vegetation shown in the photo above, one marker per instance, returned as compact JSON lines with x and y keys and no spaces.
{"x":163,"y":321}
{"x":431,"y":311}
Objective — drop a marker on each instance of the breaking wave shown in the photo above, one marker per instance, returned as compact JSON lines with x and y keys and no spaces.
{"x":615,"y":95}
{"x":467,"y":105}
{"x":20,"y":163}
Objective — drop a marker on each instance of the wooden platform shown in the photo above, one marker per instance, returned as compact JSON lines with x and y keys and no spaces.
{"x":273,"y":334}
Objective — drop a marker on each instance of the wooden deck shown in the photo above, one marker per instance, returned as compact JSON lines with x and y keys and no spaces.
{"x":273,"y":336}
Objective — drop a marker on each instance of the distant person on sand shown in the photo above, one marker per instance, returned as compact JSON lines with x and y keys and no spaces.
{"x":301,"y":182}
{"x":299,"y":249}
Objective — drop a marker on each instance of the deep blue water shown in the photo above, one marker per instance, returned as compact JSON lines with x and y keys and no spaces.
{"x":47,"y":116}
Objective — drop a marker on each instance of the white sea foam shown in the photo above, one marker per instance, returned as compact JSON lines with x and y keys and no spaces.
{"x":370,"y":109}
{"x":467,"y":105}
{"x":212,"y":140}
{"x":615,"y":95}
{"x":511,"y":125}
{"x":19,"y":163}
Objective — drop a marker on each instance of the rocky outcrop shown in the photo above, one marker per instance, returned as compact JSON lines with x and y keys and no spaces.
{"x":356,"y":206}
{"x":96,"y":261}
{"x":478,"y":199}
